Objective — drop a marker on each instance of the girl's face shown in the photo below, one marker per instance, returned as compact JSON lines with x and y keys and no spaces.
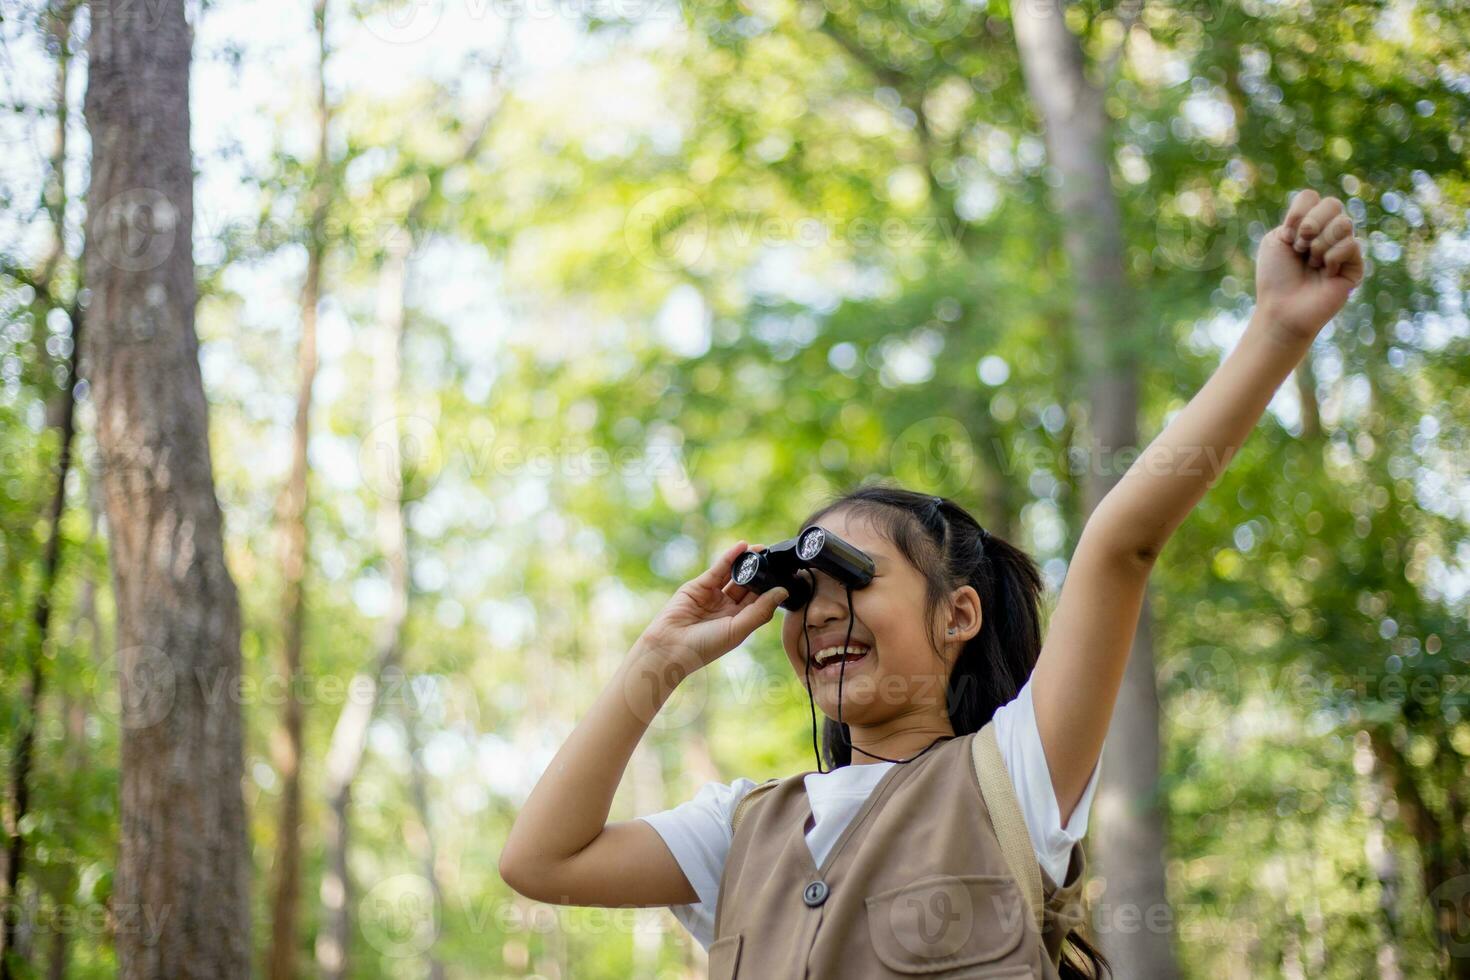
{"x":900,"y":674}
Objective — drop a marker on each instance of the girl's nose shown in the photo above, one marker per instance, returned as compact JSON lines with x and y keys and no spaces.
{"x":828,"y":603}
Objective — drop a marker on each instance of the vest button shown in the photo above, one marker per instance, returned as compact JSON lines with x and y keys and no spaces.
{"x":815,"y":893}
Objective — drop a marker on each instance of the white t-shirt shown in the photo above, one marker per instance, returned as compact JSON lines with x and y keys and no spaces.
{"x":697,"y":832}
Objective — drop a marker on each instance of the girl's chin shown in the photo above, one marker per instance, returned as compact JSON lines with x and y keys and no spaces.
{"x":858,"y":698}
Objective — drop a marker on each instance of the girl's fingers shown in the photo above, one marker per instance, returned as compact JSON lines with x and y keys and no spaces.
{"x":757,"y":613}
{"x":1303,"y":202}
{"x":1315,"y":220}
{"x":1337,"y":229}
{"x":739,"y":592}
{"x":1345,"y":259}
{"x":714,"y":577}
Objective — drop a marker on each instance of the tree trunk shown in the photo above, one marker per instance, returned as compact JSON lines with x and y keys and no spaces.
{"x":1443,"y":861}
{"x":428,"y":853}
{"x":1381,"y":856}
{"x":1131,"y":837}
{"x":20,"y":770}
{"x":61,"y":416}
{"x":1306,"y":391}
{"x":349,"y":737}
{"x":281,"y":959}
{"x":181,"y":894}
{"x":387,"y":479}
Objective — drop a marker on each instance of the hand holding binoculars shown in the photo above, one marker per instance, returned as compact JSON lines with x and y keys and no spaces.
{"x":781,"y":565}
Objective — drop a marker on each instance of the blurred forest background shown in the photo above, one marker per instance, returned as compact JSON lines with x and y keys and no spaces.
{"x":512,"y":314}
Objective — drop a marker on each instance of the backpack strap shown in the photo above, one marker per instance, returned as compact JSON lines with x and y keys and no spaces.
{"x":1005,"y":815}
{"x":746,"y":801}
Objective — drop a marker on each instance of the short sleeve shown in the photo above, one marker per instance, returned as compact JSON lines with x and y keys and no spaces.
{"x":1020,"y":746}
{"x":697,"y":833}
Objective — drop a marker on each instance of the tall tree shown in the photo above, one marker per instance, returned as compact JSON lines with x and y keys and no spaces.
{"x":392,"y":484}
{"x":1130,"y":817}
{"x":183,"y":865}
{"x":291,"y":517}
{"x":423,"y":841}
{"x":61,"y":417}
{"x":349,"y":736}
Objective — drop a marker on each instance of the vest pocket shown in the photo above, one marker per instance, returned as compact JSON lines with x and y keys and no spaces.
{"x":941,"y":922}
{"x":724,"y":958}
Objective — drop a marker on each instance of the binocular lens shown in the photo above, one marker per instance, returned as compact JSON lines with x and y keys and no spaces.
{"x":779,"y":566}
{"x":820,"y":549}
{"x":762,"y":571}
{"x":746,"y":568}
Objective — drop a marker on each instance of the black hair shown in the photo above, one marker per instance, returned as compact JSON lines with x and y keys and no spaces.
{"x":951,"y":549}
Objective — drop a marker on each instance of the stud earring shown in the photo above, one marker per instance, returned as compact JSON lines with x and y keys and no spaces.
{"x":951,"y":631}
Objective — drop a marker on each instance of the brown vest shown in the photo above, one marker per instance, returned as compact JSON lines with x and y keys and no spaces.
{"x":917,"y":885}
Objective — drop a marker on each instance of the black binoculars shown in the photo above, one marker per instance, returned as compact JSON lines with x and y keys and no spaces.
{"x":778,"y":566}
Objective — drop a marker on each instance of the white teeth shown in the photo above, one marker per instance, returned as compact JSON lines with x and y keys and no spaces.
{"x":827,"y":654}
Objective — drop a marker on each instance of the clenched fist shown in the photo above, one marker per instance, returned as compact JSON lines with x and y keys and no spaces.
{"x":1307,"y":266}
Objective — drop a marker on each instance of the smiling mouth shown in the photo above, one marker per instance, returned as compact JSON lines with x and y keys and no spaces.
{"x":830,"y":661}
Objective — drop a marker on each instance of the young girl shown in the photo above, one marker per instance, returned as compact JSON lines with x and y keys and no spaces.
{"x":897,"y":867}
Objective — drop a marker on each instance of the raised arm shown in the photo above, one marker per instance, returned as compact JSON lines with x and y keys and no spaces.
{"x":560,"y":849}
{"x":1305,"y":269}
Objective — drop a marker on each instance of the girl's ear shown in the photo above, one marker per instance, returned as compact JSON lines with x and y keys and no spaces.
{"x":965,"y":615}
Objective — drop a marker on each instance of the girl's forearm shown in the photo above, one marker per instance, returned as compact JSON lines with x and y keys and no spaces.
{"x":569,"y":805}
{"x":1169,"y":478}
